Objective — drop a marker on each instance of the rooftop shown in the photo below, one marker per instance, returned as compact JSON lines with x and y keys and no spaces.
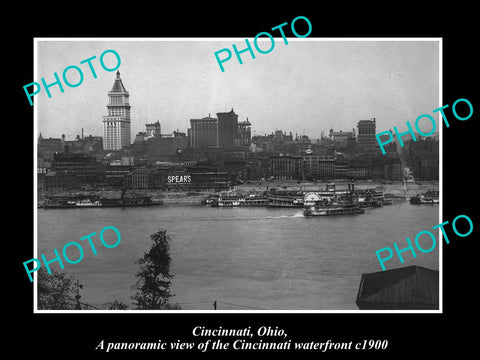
{"x":118,"y":84}
{"x":410,"y":287}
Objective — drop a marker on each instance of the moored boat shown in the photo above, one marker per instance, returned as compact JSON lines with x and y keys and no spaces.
{"x":387,"y":201}
{"x":334,"y":209}
{"x":430,"y":197}
{"x":93,"y":201}
{"x":336,"y":205}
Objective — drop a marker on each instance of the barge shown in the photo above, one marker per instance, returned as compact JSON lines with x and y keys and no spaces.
{"x":95,"y":201}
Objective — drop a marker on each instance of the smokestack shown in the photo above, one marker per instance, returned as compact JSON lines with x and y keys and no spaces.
{"x":82,"y":133}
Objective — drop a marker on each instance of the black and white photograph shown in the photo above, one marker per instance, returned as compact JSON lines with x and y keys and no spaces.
{"x":258,"y":185}
{"x":228,"y":180}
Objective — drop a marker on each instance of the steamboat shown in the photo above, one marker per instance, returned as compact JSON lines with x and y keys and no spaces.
{"x":333,"y":205}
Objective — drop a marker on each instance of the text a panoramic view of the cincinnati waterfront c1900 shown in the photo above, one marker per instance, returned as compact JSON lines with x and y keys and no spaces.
{"x":260,"y":188}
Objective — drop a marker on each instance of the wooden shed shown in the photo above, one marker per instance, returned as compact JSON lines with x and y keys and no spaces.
{"x":406,"y":288}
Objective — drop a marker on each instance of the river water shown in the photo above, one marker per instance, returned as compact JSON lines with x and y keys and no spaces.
{"x":243,"y":258}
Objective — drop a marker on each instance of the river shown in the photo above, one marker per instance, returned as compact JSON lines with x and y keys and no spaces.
{"x":243,"y":258}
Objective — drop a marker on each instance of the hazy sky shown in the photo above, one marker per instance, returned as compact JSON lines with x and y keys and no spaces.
{"x":306,"y":86}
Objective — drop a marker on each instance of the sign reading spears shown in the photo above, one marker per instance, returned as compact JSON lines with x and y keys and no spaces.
{"x":179,"y":179}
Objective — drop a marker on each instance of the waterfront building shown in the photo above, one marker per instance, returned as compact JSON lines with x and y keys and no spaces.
{"x":326,"y":167}
{"x":59,"y":180}
{"x":376,"y":169}
{"x":227,"y":128}
{"x":393,"y":169}
{"x":286,"y":168}
{"x":116,"y":125}
{"x":83,"y":166}
{"x":193,"y":180}
{"x":115,"y":175}
{"x":366,"y":140}
{"x":341,"y":169}
{"x":138,"y":178}
{"x":145,"y":178}
{"x":425,"y":167}
{"x":319,"y":166}
{"x":203,"y":133}
{"x":358,"y":170}
{"x":210,"y":180}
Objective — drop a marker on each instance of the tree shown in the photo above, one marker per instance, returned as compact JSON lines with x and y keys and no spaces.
{"x":116,"y":305}
{"x":154,"y":277}
{"x":56,"y":291}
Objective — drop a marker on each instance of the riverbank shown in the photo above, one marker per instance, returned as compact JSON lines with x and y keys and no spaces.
{"x":390,"y":189}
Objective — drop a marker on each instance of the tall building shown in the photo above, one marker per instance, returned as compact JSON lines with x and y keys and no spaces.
{"x":422,"y":157}
{"x":203,"y":132}
{"x":342,"y":139}
{"x":227,"y":128}
{"x":116,"y":125}
{"x":153,"y":130}
{"x":244,"y":134}
{"x":366,"y":140}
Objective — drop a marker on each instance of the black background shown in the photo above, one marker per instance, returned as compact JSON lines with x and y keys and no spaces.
{"x":408,"y":334}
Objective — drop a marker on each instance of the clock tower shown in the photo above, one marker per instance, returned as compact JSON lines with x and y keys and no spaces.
{"x":116,"y":125}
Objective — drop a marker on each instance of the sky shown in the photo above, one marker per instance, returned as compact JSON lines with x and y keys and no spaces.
{"x":306,"y":86}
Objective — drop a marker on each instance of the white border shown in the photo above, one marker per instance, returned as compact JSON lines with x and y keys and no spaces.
{"x":181,"y":312}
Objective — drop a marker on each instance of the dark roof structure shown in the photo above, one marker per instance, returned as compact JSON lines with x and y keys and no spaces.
{"x":406,"y":288}
{"x":118,"y":84}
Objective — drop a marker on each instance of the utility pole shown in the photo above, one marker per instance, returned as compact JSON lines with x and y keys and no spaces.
{"x":77,"y":297}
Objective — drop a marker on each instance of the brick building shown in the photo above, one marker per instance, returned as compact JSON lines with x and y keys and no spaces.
{"x":286,"y":168}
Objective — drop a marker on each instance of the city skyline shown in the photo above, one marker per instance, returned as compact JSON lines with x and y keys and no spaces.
{"x":393,"y":81}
